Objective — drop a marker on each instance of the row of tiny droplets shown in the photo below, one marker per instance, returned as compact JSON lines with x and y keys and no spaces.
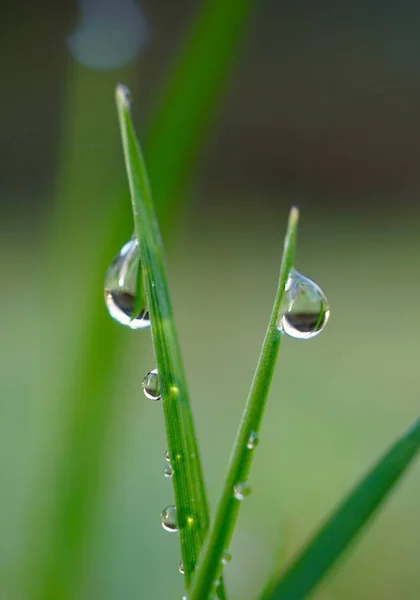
{"x":120,"y":289}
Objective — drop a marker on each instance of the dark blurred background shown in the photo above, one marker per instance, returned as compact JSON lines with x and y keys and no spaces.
{"x":322,"y":111}
{"x":323,"y":105}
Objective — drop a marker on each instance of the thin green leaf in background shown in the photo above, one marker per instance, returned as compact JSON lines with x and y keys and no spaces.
{"x":191,"y":97}
{"x":352,"y":515}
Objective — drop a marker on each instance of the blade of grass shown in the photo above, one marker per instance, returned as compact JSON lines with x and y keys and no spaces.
{"x":194,"y":87}
{"x":190,"y":496}
{"x":191,"y":96}
{"x":221,"y":531}
{"x":346,"y":522}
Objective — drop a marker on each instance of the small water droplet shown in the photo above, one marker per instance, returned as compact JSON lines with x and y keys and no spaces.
{"x":167,"y":457}
{"x":181,"y":568}
{"x":252,"y":440}
{"x":168,"y":519}
{"x":226,"y":557}
{"x":150,"y":384}
{"x":168,"y":471}
{"x":241,"y":490}
{"x":121,"y":286}
{"x":305,"y":310}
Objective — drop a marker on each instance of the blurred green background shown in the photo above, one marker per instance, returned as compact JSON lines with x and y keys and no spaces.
{"x":321,"y":110}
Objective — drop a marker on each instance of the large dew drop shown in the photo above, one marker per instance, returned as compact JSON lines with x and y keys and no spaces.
{"x":151,"y":386}
{"x":305,"y":310}
{"x":168,"y":519}
{"x":121,"y":286}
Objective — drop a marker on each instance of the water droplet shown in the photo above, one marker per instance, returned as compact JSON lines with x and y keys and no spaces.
{"x":181,"y":568}
{"x":168,"y":471}
{"x":305,"y":310}
{"x":168,"y":519}
{"x":121,"y":286}
{"x":150,"y":384}
{"x":226,"y":557}
{"x":241,"y":490}
{"x":167,"y":457}
{"x":252,"y":440}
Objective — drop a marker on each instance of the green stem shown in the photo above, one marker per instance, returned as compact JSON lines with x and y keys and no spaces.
{"x":222,"y":528}
{"x":190,"y":496}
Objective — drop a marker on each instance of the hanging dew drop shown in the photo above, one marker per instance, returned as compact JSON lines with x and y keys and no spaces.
{"x":168,"y":519}
{"x":252,"y":441}
{"x":226,"y":557}
{"x":167,"y":457}
{"x":168,"y":471}
{"x":121,"y":287}
{"x":305,"y":310}
{"x":181,"y":568}
{"x":151,"y":386}
{"x":241,"y":490}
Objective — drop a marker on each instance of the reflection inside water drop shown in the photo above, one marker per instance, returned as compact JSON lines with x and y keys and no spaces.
{"x":121,"y":287}
{"x":151,"y":386}
{"x":168,"y":519}
{"x":305,"y":310}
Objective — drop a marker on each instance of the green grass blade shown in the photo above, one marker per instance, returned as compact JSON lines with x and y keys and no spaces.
{"x":221,"y":531}
{"x":191,"y":502}
{"x":334,"y":537}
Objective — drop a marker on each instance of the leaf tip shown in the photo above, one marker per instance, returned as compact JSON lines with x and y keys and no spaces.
{"x":123,"y":95}
{"x":293,"y":216}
